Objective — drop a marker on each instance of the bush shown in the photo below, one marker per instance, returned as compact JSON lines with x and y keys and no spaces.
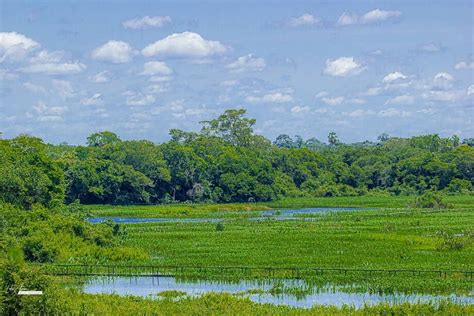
{"x":453,"y":241}
{"x":36,"y":250}
{"x":219,"y":227}
{"x":430,"y":200}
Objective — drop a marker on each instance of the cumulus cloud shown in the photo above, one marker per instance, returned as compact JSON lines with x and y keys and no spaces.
{"x":333,"y":101}
{"x":247,"y":63}
{"x":300,"y":109}
{"x":15,"y":46}
{"x":116,"y":52}
{"x":444,"y":96}
{"x":146,"y":22}
{"x":347,"y":19}
{"x":100,"y":77}
{"x":303,"y":20}
{"x":373,"y":91}
{"x":401,"y":100}
{"x":470,"y":90}
{"x":360,"y":113}
{"x":187,"y":45}
{"x":343,"y":67}
{"x":52,"y":63}
{"x":463,"y":65}
{"x":46,"y":113}
{"x":93,"y":100}
{"x":156,"y":68}
{"x":139,"y":99}
{"x":274,"y":97}
{"x":443,"y":81}
{"x":394,"y":76}
{"x":46,"y":57}
{"x":371,"y":17}
{"x":66,"y":68}
{"x":378,"y":15}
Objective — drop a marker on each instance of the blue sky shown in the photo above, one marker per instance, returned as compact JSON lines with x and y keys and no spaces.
{"x":140,"y":68}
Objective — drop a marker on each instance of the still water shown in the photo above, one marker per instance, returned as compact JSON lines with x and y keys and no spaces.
{"x":286,"y":214}
{"x":150,"y":286}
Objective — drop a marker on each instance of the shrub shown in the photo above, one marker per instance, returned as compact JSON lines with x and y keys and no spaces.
{"x":219,"y":227}
{"x":36,"y":250}
{"x":430,"y":200}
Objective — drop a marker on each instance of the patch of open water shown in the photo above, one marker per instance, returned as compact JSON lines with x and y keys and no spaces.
{"x":307,"y":295}
{"x":284,"y":214}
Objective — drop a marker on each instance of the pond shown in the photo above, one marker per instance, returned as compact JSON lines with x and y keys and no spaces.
{"x":292,"y":292}
{"x":284,"y":214}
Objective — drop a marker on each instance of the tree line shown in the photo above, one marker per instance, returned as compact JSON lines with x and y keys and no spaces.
{"x":227,"y":162}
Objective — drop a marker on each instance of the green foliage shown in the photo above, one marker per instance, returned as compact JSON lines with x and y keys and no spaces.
{"x":102,"y":139}
{"x":430,"y":200}
{"x":27,"y":174}
{"x":219,"y":227}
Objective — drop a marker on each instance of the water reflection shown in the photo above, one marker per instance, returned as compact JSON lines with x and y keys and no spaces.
{"x":290,"y":292}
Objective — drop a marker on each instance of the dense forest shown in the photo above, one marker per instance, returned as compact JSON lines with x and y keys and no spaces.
{"x":226,"y":162}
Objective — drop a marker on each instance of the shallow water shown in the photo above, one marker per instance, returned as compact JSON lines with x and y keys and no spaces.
{"x":286,"y":214}
{"x":146,"y":286}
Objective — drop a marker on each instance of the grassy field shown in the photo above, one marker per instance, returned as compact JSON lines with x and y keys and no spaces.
{"x":392,"y":236}
{"x":187,"y":210}
{"x":389,"y":234}
{"x":227,"y":304}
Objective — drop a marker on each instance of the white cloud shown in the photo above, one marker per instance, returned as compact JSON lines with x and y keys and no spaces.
{"x":43,"y":110}
{"x":347,"y":19}
{"x":430,"y":47}
{"x":300,"y":109}
{"x":464,"y":65}
{"x":360,"y":113}
{"x":15,"y":46}
{"x":444,"y":96}
{"x":321,"y":94}
{"x":356,"y":101}
{"x":247,"y":63}
{"x":140,"y":100}
{"x":186,"y":44}
{"x":394,"y":76}
{"x":34,"y":88}
{"x":371,"y":17}
{"x":333,"y":101}
{"x":116,"y":52}
{"x":276,"y":97}
{"x":153,"y":68}
{"x":62,"y":88}
{"x":392,"y":112}
{"x":93,"y":100}
{"x":146,"y":22}
{"x":66,"y":68}
{"x":378,"y":15}
{"x":46,"y":57}
{"x":443,"y":81}
{"x":470,"y":89}
{"x":101,"y":77}
{"x":373,"y":91}
{"x":303,"y":20}
{"x":444,"y":76}
{"x":401,"y":99}
{"x":159,"y":79}
{"x":155,"y":89}
{"x":343,"y":67}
